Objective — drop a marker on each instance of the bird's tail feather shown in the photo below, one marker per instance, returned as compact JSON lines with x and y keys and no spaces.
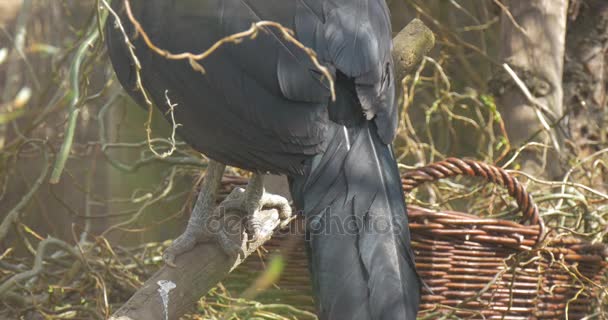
{"x":360,"y":257}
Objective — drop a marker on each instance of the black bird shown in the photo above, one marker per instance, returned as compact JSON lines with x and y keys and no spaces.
{"x":263,"y":106}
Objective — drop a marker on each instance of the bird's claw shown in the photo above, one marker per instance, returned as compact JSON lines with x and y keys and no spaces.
{"x":169,"y":259}
{"x":184,"y":243}
{"x":231,"y":247}
{"x":188,"y":240}
{"x":256,"y":224}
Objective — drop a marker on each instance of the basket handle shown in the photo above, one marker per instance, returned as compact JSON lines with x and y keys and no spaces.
{"x":453,"y":167}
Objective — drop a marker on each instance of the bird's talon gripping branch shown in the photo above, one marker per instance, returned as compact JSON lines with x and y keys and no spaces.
{"x":205,"y":217}
{"x":251,"y":201}
{"x":212,"y":223}
{"x":183,"y":243}
{"x":231,"y":247}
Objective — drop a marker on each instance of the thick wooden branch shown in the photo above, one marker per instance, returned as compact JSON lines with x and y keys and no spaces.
{"x":201,"y":269}
{"x":196,"y":272}
{"x":410,"y":46}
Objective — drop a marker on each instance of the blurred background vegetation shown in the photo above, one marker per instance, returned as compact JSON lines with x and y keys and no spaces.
{"x":93,"y":232}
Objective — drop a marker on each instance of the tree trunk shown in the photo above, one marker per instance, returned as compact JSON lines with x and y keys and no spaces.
{"x":585,"y":76}
{"x":533,"y":38}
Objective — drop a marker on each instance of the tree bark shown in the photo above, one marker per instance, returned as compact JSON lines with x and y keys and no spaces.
{"x":533,"y":38}
{"x":585,"y":82}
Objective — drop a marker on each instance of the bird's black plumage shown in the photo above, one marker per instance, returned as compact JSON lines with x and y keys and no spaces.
{"x":263,"y":106}
{"x":359,"y":243}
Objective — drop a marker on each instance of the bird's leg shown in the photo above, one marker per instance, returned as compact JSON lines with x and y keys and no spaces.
{"x":202,"y":214}
{"x":252,"y":200}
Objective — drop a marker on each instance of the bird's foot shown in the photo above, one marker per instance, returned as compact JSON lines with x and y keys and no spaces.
{"x":206,"y":221}
{"x":245,"y":214}
{"x":255,"y":207}
{"x":184,"y":243}
{"x":213,"y":227}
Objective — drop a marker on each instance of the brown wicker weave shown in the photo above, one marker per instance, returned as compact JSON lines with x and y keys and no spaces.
{"x":475,"y":268}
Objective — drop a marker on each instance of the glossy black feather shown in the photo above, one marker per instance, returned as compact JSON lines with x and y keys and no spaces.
{"x":237,"y":113}
{"x":359,"y":242}
{"x":272,"y":105}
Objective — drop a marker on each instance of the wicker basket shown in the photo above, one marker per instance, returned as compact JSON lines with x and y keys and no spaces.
{"x":474,"y":268}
